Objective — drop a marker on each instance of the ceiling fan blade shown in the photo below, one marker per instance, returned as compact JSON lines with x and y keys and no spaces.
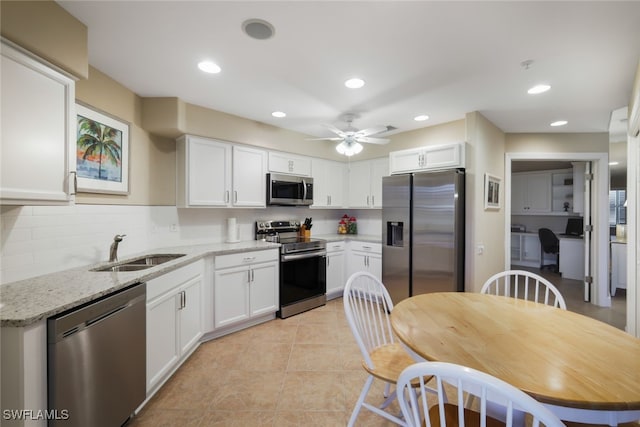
{"x":372,"y":131}
{"x":335,"y":130}
{"x":325,"y":139}
{"x":368,"y":140}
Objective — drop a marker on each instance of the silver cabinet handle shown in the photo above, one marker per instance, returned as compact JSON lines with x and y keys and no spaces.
{"x":226,"y":196}
{"x":253,"y":275}
{"x":248,"y":259}
{"x":235,"y":196}
{"x":367,"y":200}
{"x":367,"y":248}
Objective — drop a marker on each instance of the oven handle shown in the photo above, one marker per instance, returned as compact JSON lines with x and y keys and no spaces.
{"x":286,"y":258}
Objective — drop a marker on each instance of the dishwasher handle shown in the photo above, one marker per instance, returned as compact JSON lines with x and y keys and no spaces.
{"x":77,"y":319}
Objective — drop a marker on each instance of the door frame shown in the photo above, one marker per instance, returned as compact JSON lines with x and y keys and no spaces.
{"x":600,"y":215}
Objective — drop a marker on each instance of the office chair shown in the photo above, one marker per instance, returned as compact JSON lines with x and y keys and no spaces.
{"x":549,"y":244}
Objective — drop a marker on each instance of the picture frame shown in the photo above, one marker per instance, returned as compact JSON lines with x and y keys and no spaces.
{"x":492,"y":198}
{"x":102,"y":152}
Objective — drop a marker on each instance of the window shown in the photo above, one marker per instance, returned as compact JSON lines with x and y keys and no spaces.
{"x":617,"y":210}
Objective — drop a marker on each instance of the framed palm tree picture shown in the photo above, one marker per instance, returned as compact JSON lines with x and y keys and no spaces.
{"x":102,"y":152}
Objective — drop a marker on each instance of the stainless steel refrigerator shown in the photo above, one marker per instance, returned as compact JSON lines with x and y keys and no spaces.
{"x":423,"y":233}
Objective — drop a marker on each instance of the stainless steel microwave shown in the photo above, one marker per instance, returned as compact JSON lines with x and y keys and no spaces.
{"x":289,"y":190}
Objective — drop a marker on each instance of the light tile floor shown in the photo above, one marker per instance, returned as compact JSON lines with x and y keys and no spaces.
{"x":300,"y":371}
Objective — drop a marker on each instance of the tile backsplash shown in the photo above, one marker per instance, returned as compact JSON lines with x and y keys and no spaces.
{"x":38,"y":240}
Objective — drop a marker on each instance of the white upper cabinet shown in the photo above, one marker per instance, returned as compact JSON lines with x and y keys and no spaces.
{"x":365,"y":182}
{"x":531,"y":193}
{"x":289,"y":164}
{"x":212,"y":173}
{"x":329,"y":179}
{"x":203,"y":172}
{"x":427,"y":158}
{"x":38,"y":129}
{"x":249,"y":177}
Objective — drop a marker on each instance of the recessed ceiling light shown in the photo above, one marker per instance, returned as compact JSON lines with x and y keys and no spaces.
{"x":209,"y":67}
{"x":279,"y":114}
{"x":613,"y":163}
{"x":258,"y":29}
{"x":538,"y":89}
{"x":559,"y":123}
{"x":354,"y":83}
{"x":421,"y":118}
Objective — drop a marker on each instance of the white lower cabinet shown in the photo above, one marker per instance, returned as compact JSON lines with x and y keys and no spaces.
{"x":245,"y":286}
{"x":174,"y":320}
{"x":364,"y":256}
{"x":335,"y":269}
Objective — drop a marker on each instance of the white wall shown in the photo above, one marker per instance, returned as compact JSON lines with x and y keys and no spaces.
{"x":39,"y":240}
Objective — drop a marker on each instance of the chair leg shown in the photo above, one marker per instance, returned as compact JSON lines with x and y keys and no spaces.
{"x":363,"y":394}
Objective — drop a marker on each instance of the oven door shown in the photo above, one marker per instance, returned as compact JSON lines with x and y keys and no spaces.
{"x":302,"y":276}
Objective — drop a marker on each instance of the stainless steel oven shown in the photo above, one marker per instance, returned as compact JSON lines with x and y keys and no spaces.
{"x":303,"y":274}
{"x":289,"y":190}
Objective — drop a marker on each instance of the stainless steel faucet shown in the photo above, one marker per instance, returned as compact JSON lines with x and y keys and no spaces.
{"x":113,"y":251}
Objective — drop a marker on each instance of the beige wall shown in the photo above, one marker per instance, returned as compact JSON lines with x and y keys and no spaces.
{"x":557,"y":143}
{"x":485,"y":228}
{"x":151,"y":158}
{"x":49,"y":31}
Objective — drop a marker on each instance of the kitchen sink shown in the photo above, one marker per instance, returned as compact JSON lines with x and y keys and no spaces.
{"x":141,"y":263}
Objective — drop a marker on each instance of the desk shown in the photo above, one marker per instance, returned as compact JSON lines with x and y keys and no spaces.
{"x":582,"y":369}
{"x":572,"y":257}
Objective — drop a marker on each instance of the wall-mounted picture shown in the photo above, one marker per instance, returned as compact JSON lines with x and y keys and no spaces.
{"x":491,"y":191}
{"x":102,"y":152}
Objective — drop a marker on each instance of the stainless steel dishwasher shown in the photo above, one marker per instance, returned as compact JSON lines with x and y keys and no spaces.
{"x":97,"y":360}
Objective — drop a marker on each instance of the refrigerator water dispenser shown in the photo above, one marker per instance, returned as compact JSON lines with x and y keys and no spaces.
{"x":394,"y":233}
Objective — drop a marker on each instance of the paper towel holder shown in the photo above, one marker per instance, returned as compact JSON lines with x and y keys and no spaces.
{"x":232,"y":231}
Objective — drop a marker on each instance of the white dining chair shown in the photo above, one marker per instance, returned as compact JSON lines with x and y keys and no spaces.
{"x":367,"y":306}
{"x":526,"y":285}
{"x":494,"y":396}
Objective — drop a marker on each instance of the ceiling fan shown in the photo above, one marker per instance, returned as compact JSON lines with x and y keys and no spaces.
{"x":352,"y":138}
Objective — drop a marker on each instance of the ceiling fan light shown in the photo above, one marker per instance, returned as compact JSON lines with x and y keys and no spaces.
{"x":349,"y":149}
{"x":421,"y":118}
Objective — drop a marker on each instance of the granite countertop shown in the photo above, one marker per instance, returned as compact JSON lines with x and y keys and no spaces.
{"x":346,"y":237}
{"x":28,"y":301}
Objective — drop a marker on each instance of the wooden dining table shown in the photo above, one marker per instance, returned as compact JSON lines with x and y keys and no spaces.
{"x":584,"y":370}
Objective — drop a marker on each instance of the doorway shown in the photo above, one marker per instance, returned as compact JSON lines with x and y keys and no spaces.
{"x":599,"y":244}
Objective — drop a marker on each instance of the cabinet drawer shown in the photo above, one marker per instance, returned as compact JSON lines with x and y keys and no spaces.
{"x":335,"y":246}
{"x":366,"y":247}
{"x":173,"y":279}
{"x":245,"y":258}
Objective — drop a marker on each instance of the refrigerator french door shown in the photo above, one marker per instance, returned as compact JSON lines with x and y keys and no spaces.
{"x":423,"y":233}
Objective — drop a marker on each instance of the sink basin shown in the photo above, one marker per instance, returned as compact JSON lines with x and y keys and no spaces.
{"x":152,"y":260}
{"x":141,"y":263}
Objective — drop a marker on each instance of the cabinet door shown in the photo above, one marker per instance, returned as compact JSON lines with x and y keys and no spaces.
{"x":374,"y":265}
{"x":356,"y":261}
{"x":335,"y":272}
{"x":231,"y":296}
{"x":531,"y":248}
{"x":208,"y":169}
{"x":37,"y":133}
{"x":191,"y":294}
{"x":360,"y":184}
{"x":405,"y":160}
{"x":321,"y":183}
{"x":287,"y":163}
{"x":249,"y":177}
{"x":263,"y":289}
{"x":163,"y":349}
{"x":518,"y":193}
{"x":538,"y":192}
{"x":329,"y":179}
{"x":379,"y":169}
{"x":444,"y":156}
